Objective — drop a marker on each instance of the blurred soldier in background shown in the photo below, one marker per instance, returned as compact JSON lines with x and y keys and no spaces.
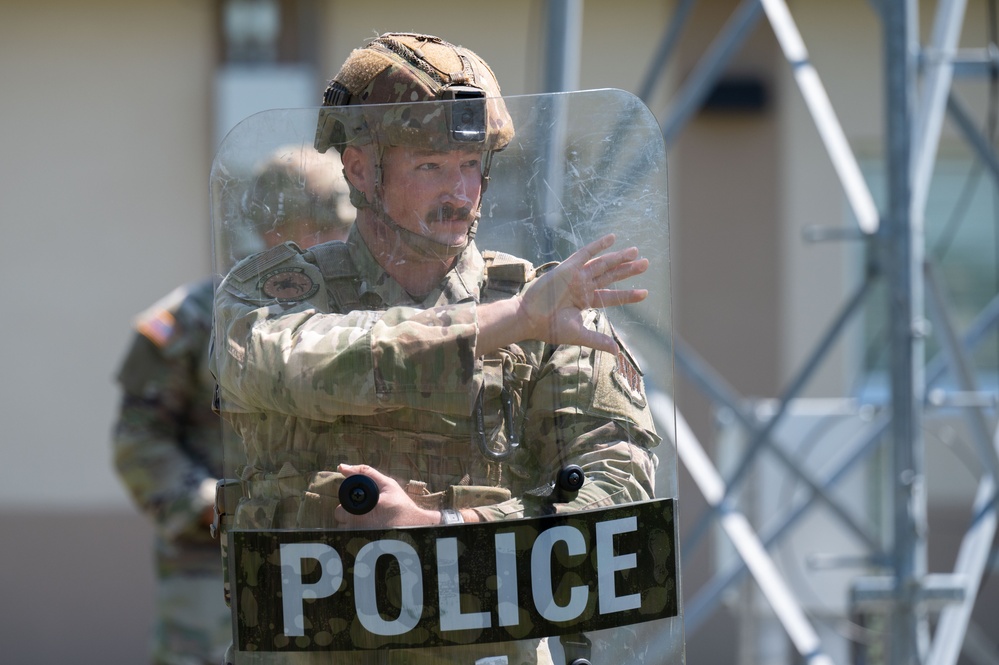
{"x":299,"y":195}
{"x":167,"y":439}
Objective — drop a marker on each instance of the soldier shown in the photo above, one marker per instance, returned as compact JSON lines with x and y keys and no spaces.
{"x":298,"y":195}
{"x":460,"y":381}
{"x":166,"y":441}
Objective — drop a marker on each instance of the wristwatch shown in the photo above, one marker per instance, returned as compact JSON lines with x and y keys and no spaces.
{"x":451,"y":516}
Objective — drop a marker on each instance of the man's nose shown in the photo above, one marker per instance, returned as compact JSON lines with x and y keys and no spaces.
{"x":456,"y":190}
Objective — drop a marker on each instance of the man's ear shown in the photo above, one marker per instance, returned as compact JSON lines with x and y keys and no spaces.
{"x":359,"y":169}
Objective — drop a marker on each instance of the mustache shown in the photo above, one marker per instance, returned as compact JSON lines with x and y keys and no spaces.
{"x":449,"y":213}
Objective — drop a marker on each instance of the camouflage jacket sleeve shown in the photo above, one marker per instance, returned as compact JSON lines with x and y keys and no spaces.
{"x":289,"y":354}
{"x":588,"y":408}
{"x":164,"y":421}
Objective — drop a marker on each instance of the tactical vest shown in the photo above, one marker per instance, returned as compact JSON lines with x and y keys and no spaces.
{"x":504,"y":379}
{"x":506,"y":275}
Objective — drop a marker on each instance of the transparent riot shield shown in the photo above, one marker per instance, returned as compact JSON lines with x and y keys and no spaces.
{"x":450,"y":447}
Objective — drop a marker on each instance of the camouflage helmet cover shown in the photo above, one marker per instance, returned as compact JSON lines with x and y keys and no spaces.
{"x":298,"y":184}
{"x":403,"y":68}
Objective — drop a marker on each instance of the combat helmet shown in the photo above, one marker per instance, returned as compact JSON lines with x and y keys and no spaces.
{"x":298,"y":185}
{"x":405,"y":69}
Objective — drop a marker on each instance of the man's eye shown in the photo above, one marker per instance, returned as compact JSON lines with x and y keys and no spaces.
{"x":428,"y":166}
{"x":472,"y":163}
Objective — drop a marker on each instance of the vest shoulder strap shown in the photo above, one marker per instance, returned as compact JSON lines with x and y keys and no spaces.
{"x":341,"y":275}
{"x":506,"y":274}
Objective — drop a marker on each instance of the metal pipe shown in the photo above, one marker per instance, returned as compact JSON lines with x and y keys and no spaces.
{"x":561,"y":73}
{"x":707,"y":599}
{"x":959,"y":367}
{"x":665,"y":49}
{"x":975,"y":548}
{"x":698,"y":84}
{"x":797,"y":385}
{"x":972,"y":560}
{"x":563,"y":45}
{"x":719,"y":392}
{"x":858,"y":195}
{"x":936,"y":89}
{"x":979,"y":144}
{"x":903,"y":253}
{"x":800,"y":631}
{"x":703,"y":604}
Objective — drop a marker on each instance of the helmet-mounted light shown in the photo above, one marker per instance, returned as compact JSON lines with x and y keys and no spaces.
{"x":466,"y":115}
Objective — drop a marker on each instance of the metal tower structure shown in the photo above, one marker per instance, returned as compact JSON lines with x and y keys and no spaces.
{"x":918,"y":95}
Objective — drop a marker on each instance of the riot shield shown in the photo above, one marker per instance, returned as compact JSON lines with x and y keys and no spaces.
{"x":439,"y":467}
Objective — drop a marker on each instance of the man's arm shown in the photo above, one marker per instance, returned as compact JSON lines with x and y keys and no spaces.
{"x":364,"y":362}
{"x":175,"y":490}
{"x":308,"y":362}
{"x":551,"y":308}
{"x":587,"y":408}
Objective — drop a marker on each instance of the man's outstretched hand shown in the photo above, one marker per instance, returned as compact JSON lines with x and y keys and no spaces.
{"x":551,"y":308}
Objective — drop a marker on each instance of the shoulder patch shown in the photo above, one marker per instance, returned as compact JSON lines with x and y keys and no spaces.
{"x":158,"y":328}
{"x":280,"y":275}
{"x":259,"y":263}
{"x":287,"y":284}
{"x":628,"y":377}
{"x":619,"y":384}
{"x":178,"y":318}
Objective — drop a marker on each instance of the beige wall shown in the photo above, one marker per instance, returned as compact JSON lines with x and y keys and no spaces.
{"x":513,"y":31}
{"x":618,"y":37}
{"x":104,"y":200}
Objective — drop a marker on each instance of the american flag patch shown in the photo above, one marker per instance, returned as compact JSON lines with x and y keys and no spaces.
{"x":252,"y":267}
{"x":158,"y":329}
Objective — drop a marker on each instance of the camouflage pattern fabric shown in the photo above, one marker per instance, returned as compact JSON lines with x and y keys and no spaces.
{"x":168,"y":453}
{"x":405,"y":70}
{"x":395,"y":385}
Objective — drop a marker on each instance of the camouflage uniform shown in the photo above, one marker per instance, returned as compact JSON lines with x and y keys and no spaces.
{"x":167,"y":451}
{"x":323,"y":359}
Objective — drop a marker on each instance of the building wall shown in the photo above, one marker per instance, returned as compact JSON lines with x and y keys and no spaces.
{"x":103,"y":205}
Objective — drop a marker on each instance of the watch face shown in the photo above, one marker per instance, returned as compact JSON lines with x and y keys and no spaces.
{"x":288,"y":284}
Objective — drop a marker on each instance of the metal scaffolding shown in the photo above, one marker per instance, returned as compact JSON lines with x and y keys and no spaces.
{"x":918,"y":94}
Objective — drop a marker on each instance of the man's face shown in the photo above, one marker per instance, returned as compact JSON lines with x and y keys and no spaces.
{"x":431,"y":193}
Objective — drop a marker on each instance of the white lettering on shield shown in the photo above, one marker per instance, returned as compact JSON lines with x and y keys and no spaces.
{"x":294,"y":591}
